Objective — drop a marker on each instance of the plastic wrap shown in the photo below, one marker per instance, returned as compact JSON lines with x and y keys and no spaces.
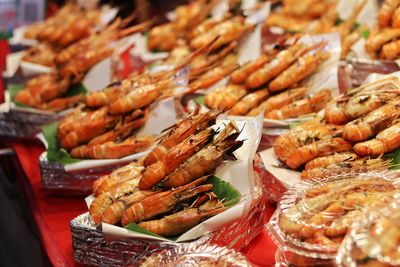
{"x":313,"y":216}
{"x":203,"y":255}
{"x":373,"y":238}
{"x":91,"y":247}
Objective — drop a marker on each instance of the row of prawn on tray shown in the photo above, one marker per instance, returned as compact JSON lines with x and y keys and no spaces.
{"x":167,"y":191}
{"x":357,"y":129}
{"x":382,"y":39}
{"x":106,"y":124}
{"x":319,"y":17}
{"x":268,"y":84}
{"x":71,"y":61}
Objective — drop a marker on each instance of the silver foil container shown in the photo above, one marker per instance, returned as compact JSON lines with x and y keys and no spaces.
{"x":90,"y":246}
{"x":56,"y":180}
{"x":23,"y":124}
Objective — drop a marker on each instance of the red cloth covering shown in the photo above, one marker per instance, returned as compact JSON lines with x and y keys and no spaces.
{"x":53,"y":215}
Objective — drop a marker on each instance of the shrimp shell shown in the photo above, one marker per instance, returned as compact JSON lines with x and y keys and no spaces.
{"x":386,"y":141}
{"x":223,"y":98}
{"x":240,"y":75}
{"x":182,"y":221}
{"x":120,"y":175}
{"x":288,"y":143}
{"x":303,"y":68}
{"x":278,"y":101}
{"x":317,"y":149}
{"x":114,"y":212}
{"x":331,"y":159}
{"x":163,"y":202}
{"x":203,"y":162}
{"x":272,"y":69}
{"x":179,"y":133}
{"x":175,"y":156}
{"x":366,"y":127}
{"x":386,"y":12}
{"x":248,"y":102}
{"x":305,"y":106}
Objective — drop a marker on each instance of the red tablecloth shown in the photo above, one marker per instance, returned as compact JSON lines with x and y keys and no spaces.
{"x":53,"y":215}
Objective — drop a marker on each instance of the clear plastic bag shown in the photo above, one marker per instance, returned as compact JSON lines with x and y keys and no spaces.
{"x":314,"y":216}
{"x":373,"y":238}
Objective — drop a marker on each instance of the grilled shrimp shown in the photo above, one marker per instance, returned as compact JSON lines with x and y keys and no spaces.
{"x":113,"y":149}
{"x":114,"y":212}
{"x":104,"y":200}
{"x":287,"y":22}
{"x":346,"y":27}
{"x":206,"y":160}
{"x":41,"y":89}
{"x":207,"y":25}
{"x":187,"y":127}
{"x":105,"y":183}
{"x":347,"y":165}
{"x":288,"y":143}
{"x":214,"y":75}
{"x":87,"y":130}
{"x":348,"y":41}
{"x":248,"y":102}
{"x":227,"y":31}
{"x":278,"y":101}
{"x":311,"y":104}
{"x":391,"y":50}
{"x":174,"y":157}
{"x":223,"y":98}
{"x":375,"y":41}
{"x":162,"y":37}
{"x":281,"y":62}
{"x":240,"y":75}
{"x":386,"y":12}
{"x":366,"y":127}
{"x":182,"y":221}
{"x":303,"y":68}
{"x":207,"y":62}
{"x":361,"y":100}
{"x":317,"y":149}
{"x":163,"y":202}
{"x":122,"y":130}
{"x":331,"y":159}
{"x":396,"y":18}
{"x":61,"y":103}
{"x":386,"y":141}
{"x":138,"y":98}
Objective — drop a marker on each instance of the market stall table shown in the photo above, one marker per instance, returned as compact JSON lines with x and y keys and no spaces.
{"x":53,"y":214}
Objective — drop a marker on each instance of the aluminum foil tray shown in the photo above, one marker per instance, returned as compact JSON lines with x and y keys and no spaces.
{"x":22,"y":124}
{"x":90,"y":247}
{"x":56,"y":180}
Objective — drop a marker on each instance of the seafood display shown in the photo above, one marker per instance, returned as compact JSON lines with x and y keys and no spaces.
{"x":373,"y":241}
{"x":217,"y":98}
{"x":317,"y":17}
{"x":314,"y":217}
{"x":171,"y":181}
{"x":358,"y":128}
{"x":271,"y":85}
{"x":383,"y":41}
